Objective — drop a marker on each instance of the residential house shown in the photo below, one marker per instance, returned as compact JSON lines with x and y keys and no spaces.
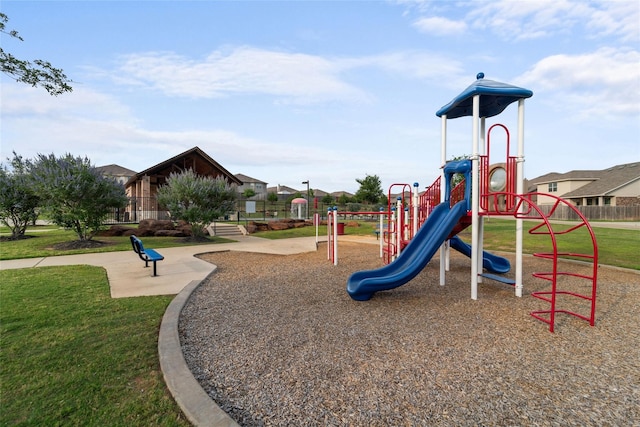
{"x":316,"y":193}
{"x":259,"y":187}
{"x":119,"y":173}
{"x":283,"y":192}
{"x":337,"y":194}
{"x":616,"y":186}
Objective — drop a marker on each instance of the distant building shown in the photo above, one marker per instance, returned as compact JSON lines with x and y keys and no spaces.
{"x":616,"y":186}
{"x":259,"y":187}
{"x":283,"y":192}
{"x":337,"y":194}
{"x":316,"y":192}
{"x":119,"y":173}
{"x":143,"y":186}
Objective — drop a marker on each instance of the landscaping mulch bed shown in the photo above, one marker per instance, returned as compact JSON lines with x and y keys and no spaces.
{"x":276,"y":340}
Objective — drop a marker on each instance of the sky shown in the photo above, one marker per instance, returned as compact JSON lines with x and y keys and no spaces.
{"x":325,"y":91}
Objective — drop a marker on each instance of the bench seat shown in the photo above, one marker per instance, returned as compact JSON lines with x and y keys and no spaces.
{"x":377,"y":230}
{"x":146,"y":255}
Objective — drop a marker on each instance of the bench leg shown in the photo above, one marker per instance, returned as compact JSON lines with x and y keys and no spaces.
{"x":154,"y":268}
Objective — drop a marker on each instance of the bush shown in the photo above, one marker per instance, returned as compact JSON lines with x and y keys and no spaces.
{"x":197,"y":200}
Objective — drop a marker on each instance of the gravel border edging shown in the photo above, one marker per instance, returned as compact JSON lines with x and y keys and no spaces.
{"x":194,"y":402}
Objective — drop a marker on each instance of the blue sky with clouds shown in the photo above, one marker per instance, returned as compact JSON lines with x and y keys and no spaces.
{"x":330,"y":91}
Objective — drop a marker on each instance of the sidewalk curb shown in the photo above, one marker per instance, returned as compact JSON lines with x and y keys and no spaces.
{"x":195,"y":403}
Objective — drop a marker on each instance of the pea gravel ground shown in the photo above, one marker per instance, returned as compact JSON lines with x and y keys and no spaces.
{"x":276,"y":341}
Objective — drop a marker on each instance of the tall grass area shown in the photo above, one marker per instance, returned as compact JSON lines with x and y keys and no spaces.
{"x":72,"y":355}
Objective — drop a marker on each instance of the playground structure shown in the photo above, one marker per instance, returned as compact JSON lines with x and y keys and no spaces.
{"x":418,"y":226}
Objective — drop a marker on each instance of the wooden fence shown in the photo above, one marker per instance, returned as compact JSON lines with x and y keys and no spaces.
{"x":596,"y":213}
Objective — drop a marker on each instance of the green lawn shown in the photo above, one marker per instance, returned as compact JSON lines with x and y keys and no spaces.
{"x":616,"y":247}
{"x":41,"y":242}
{"x":72,"y":355}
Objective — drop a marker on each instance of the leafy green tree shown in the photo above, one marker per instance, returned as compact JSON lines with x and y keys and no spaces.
{"x":18,"y":199}
{"x":39,"y":73}
{"x":328,"y":199}
{"x":248,"y":193}
{"x":343,"y":199}
{"x":457,"y":178}
{"x":197,"y":200}
{"x":74,"y":194}
{"x":272,"y":197}
{"x":370,"y":190}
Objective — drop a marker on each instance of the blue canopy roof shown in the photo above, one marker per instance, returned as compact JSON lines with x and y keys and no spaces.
{"x":495,"y":97}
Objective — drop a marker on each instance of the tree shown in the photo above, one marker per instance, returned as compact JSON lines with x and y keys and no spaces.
{"x":343,"y":199}
{"x":457,"y":178}
{"x":18,"y":199}
{"x":370,"y":190}
{"x":248,"y":193}
{"x":74,"y":194}
{"x":39,"y":73}
{"x":197,"y":200}
{"x":328,"y":199}
{"x":272,"y":198}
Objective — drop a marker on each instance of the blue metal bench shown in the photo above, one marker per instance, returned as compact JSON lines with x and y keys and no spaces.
{"x":147,"y":255}
{"x":377,"y":230}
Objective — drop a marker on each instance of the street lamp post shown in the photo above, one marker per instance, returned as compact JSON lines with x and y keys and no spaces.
{"x":307,"y":182}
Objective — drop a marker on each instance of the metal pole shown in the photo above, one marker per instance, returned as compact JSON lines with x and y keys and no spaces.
{"x":475,"y":199}
{"x":520,"y":191}
{"x":307,"y":182}
{"x":335,"y":235}
{"x":381,"y":230}
{"x":444,"y":253}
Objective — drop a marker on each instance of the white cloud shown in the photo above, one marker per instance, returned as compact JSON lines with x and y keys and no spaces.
{"x":298,"y":78}
{"x":440,"y":26}
{"x":97,"y":125}
{"x":527,"y":20}
{"x":523,"y":20}
{"x":617,"y":18}
{"x":596,"y":84}
{"x":422,"y":65}
{"x":291,"y":78}
{"x":19,"y":99}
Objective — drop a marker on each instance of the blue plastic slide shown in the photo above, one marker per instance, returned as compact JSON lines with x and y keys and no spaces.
{"x":491,"y":262}
{"x":363,"y":284}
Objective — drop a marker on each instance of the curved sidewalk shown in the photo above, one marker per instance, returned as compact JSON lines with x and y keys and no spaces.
{"x":128,"y":277}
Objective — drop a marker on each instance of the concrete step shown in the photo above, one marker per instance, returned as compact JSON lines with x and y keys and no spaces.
{"x":225,"y":230}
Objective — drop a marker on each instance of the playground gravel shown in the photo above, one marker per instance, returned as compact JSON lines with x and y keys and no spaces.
{"x":276,"y":340}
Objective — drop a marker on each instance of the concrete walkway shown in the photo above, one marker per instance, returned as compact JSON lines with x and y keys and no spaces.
{"x":128,"y":277}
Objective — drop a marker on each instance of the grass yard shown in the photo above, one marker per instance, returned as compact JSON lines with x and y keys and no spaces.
{"x":41,"y":242}
{"x":617,"y":247}
{"x":71,"y":355}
